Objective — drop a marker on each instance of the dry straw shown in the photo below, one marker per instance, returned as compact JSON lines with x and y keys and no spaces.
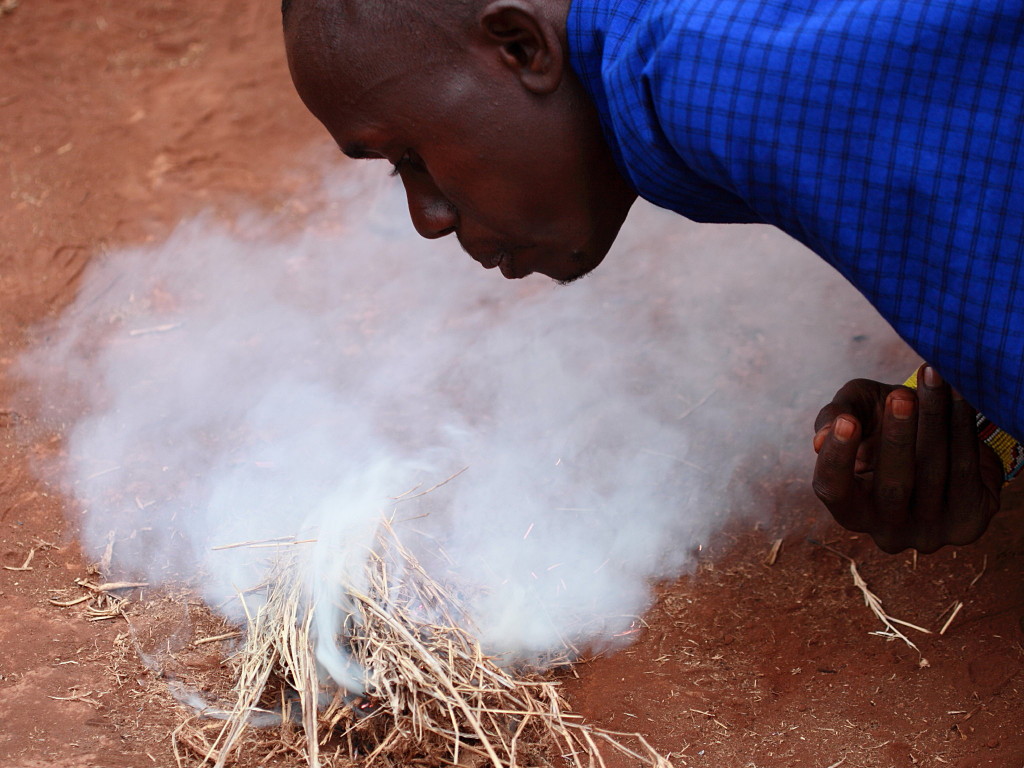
{"x":430,"y":697}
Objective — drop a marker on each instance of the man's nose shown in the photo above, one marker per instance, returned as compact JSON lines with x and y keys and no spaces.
{"x":432,"y":214}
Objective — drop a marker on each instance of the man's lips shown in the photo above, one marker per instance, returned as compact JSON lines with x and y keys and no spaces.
{"x":503,"y":260}
{"x":488,"y":260}
{"x":507,"y":265}
{"x":495,"y":253}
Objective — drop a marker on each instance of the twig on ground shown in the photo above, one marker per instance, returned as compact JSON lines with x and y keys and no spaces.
{"x":696,"y":405}
{"x":984,"y":565}
{"x":956,"y":610}
{"x":154,"y":329}
{"x":238,"y":544}
{"x":103,"y":603}
{"x":85,"y":698}
{"x":217,"y":638}
{"x":875,"y":604}
{"x":24,"y":566}
{"x":406,"y":497}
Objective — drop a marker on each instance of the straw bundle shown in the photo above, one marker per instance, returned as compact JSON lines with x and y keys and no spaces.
{"x":430,"y":696}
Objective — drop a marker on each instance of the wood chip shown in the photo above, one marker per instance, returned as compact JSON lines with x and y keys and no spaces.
{"x":773,"y":553}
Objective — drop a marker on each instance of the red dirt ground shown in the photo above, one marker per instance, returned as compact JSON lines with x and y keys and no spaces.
{"x":120,"y":118}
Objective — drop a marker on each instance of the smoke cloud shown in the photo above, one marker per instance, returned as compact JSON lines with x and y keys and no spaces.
{"x":240,"y":383}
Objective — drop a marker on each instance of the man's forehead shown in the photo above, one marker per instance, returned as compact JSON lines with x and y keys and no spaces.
{"x":296,"y":9}
{"x":389,"y":16}
{"x":345,"y":34}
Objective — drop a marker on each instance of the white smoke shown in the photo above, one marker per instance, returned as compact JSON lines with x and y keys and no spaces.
{"x":238,"y":383}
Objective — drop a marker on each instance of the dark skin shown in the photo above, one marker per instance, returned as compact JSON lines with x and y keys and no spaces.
{"x":906,"y":466}
{"x":475,"y":106}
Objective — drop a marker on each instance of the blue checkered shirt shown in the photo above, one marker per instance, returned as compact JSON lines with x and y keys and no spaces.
{"x":886,"y":135}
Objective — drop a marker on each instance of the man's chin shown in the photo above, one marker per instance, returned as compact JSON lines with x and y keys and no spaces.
{"x":517,"y":263}
{"x":574,"y":278}
{"x":571,"y":268}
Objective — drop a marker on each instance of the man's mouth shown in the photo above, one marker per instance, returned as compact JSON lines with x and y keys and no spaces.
{"x":504,"y":260}
{"x":489,"y":260}
{"x":507,"y":265}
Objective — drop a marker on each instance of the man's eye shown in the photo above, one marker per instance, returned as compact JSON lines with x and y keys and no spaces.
{"x":410,"y":160}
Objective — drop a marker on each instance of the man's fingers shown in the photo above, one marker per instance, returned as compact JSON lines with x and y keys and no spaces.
{"x":859,"y":398}
{"x":894,"y":476}
{"x":965,"y":484}
{"x":826,"y":418}
{"x":834,"y":480}
{"x":905,"y":465}
{"x":820,"y":435}
{"x":964,"y":447}
{"x":933,"y":447}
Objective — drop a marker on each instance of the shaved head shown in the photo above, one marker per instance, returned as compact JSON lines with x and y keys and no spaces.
{"x":385,"y":11}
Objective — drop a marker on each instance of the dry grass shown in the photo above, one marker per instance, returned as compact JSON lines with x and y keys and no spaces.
{"x":872,"y":601}
{"x":430,"y":697}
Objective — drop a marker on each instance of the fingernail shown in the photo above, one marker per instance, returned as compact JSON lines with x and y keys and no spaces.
{"x":931,"y":378}
{"x":902,"y":408}
{"x":843,"y":429}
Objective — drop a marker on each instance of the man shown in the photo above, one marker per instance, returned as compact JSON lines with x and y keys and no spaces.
{"x":887,"y":137}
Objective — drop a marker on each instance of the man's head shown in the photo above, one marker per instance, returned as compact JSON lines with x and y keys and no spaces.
{"x":475,"y":105}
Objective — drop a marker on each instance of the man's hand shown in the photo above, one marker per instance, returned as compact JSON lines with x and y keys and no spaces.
{"x":906,"y":467}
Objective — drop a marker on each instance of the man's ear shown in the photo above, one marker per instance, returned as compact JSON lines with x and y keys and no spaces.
{"x":526,"y":41}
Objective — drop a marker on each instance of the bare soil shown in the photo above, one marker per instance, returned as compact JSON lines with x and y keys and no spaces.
{"x":118,"y":119}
